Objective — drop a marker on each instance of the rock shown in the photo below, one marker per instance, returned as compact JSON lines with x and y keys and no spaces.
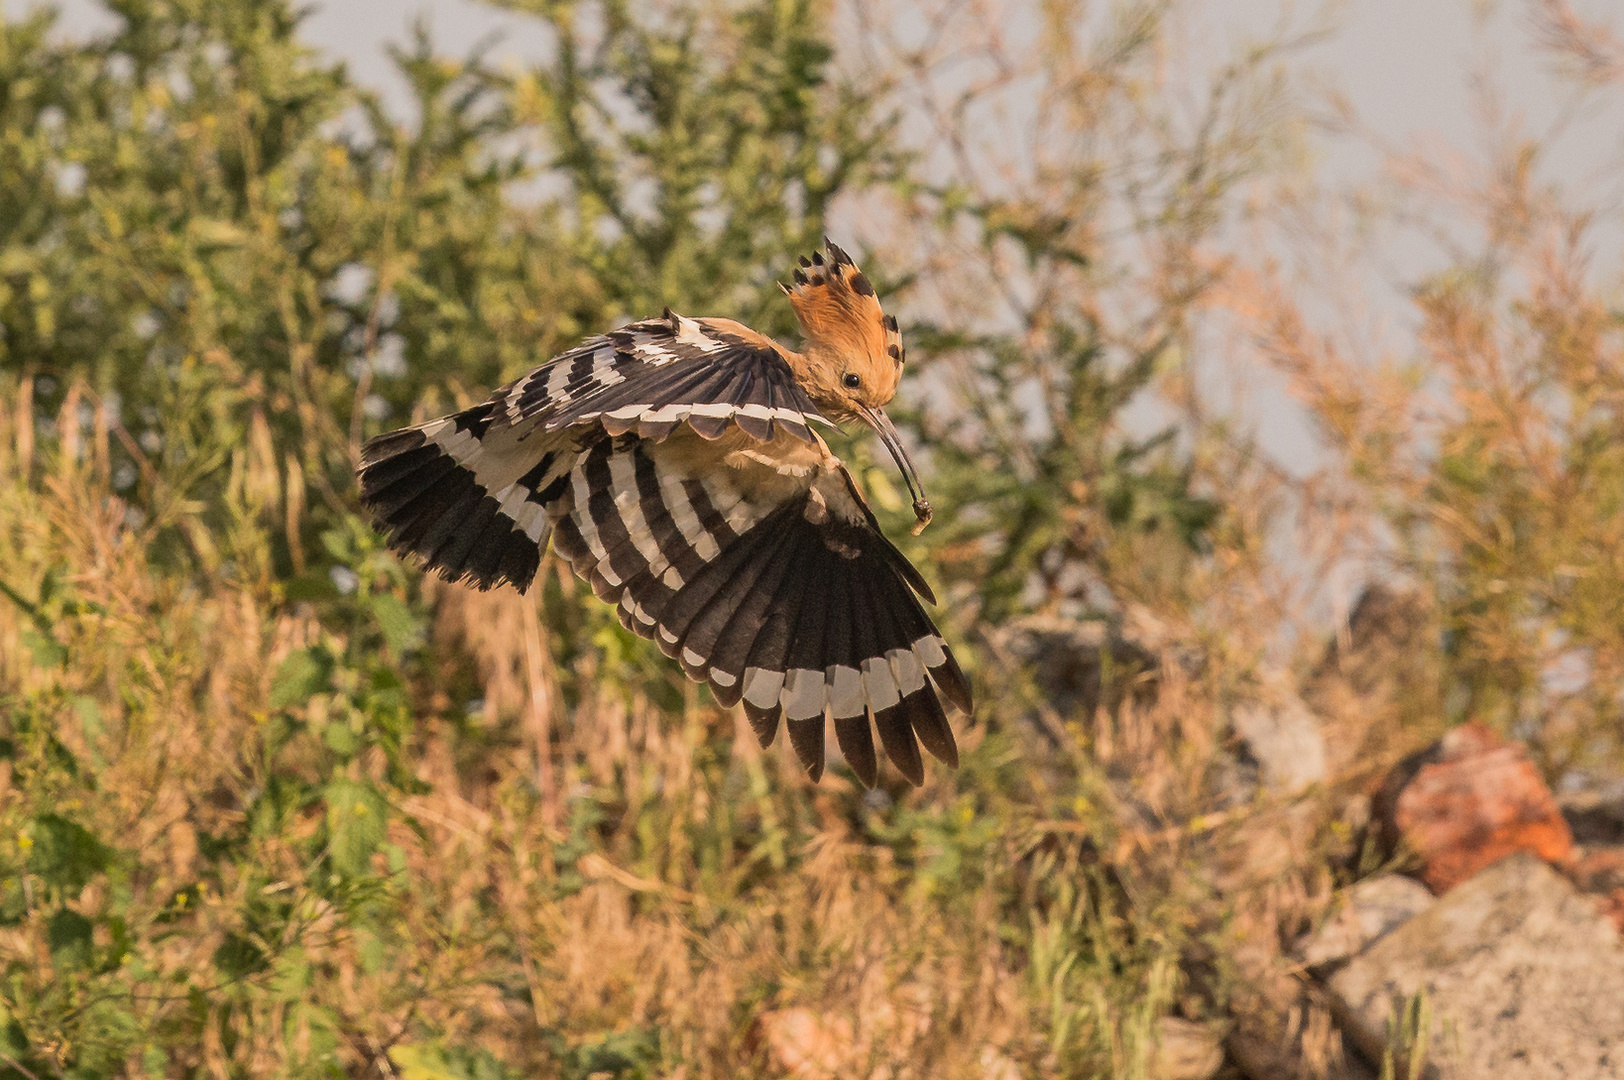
{"x":1312,"y":1049}
{"x":1284,"y":738}
{"x":1600,"y":871}
{"x":1468,"y":801}
{"x":1281,"y":1025}
{"x":1185,"y":1051}
{"x":1612,"y":909}
{"x":1370,"y":909}
{"x":1388,"y":633}
{"x":1595,"y":815}
{"x":1080,"y":666}
{"x":1523,"y":980}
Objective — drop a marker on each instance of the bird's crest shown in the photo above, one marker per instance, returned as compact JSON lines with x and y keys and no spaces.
{"x":838,"y":310}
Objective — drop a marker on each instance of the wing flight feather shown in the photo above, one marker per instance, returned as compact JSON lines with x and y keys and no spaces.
{"x":773,"y":584}
{"x":798,"y":612}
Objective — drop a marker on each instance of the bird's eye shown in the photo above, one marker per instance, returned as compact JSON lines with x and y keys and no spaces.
{"x":852,"y":381}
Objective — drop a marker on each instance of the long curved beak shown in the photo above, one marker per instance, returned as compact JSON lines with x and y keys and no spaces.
{"x":881,"y":423}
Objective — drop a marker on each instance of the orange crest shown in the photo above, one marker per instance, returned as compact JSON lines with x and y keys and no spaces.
{"x":839,"y":312}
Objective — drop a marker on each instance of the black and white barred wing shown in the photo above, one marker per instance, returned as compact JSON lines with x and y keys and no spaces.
{"x":651,"y":376}
{"x":468,"y":497}
{"x":470,"y":493}
{"x":785,"y":597}
{"x":760,"y":570}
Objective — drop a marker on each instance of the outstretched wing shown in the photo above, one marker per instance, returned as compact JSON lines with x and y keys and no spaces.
{"x":783,"y":595}
{"x":746,"y":554}
{"x":468,"y":493}
{"x":469,"y":499}
{"x":653,"y":375}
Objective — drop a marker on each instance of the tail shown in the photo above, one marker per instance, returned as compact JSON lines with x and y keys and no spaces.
{"x":471,"y":502}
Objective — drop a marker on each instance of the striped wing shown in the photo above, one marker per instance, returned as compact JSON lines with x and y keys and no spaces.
{"x":760,"y":570}
{"x":468,"y":492}
{"x":651,"y":376}
{"x":792,"y":601}
{"x":469,"y":498}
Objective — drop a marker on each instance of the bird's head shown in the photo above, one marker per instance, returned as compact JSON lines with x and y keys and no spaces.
{"x":853,"y":358}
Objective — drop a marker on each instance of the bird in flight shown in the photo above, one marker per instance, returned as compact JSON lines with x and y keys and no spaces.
{"x":675,"y":465}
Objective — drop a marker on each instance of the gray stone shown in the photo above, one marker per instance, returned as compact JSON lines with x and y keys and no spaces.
{"x":1286,"y":741}
{"x":1369,"y":910}
{"x":1523,"y":980}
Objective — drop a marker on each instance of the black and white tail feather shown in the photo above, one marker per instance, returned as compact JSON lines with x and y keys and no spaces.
{"x":649,"y":457}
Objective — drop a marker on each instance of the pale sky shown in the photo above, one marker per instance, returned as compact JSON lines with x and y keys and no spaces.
{"x":1404,"y":65}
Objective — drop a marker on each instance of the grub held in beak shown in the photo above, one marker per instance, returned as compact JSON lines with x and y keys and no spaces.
{"x":881,"y":423}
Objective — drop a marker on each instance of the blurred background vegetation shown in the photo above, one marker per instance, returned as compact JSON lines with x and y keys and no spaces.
{"x":272,"y":803}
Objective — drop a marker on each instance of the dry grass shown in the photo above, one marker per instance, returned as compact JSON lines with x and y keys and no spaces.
{"x":639,"y":903}
{"x":255,"y":823}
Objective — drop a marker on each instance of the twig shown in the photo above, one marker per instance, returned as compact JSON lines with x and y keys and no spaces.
{"x":19,"y":1066}
{"x":594,"y":865}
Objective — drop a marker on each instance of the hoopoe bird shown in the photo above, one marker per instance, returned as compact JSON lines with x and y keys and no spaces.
{"x":674,"y":464}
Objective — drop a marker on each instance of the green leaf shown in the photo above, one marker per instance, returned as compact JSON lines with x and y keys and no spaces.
{"x":626,"y":1055}
{"x":400,"y":628}
{"x":90,"y":722}
{"x":357,"y":818}
{"x":424,"y":1062}
{"x":430,"y":1061}
{"x":373,"y":951}
{"x":338,"y":545}
{"x":48,"y":652}
{"x":300,"y":675}
{"x":68,"y":935}
{"x":64,"y":854}
{"x":13,"y":901}
{"x":339,"y":738}
{"x":311,"y":587}
{"x":238,"y":957}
